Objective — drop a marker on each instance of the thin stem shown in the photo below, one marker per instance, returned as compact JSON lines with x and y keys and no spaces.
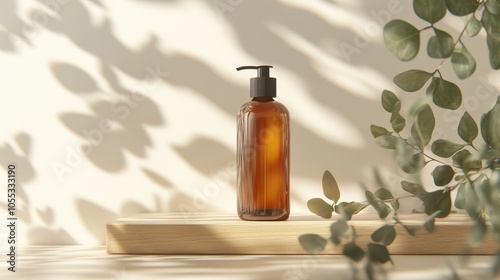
{"x":418,"y":149}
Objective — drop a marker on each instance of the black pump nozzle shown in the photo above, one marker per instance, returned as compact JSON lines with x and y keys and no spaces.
{"x":262,"y":85}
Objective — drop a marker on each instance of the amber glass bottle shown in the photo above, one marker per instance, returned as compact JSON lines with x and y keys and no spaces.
{"x":263,"y":153}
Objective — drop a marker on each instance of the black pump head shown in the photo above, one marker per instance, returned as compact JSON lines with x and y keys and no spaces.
{"x":262,"y":85}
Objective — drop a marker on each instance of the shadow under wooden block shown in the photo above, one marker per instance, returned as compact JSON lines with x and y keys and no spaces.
{"x":221,"y":233}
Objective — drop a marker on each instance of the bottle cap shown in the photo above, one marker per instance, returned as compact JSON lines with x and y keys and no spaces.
{"x":262,"y":85}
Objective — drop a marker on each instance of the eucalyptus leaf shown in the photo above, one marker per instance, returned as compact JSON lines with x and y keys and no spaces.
{"x":460,"y":198}
{"x":478,"y":232}
{"x":387,"y":141}
{"x":462,"y":7}
{"x":467,"y":128}
{"x":423,"y":126}
{"x":446,"y":94}
{"x":445,"y":148}
{"x":382,"y":209}
{"x":431,"y":11}
{"x":466,"y":161}
{"x":490,"y":22}
{"x":402,"y":39}
{"x":378,"y":131}
{"x":414,"y":188}
{"x":411,"y":230}
{"x":441,"y":45}
{"x":353,"y":251}
{"x":385,"y":235}
{"x":493,"y":42}
{"x":378,"y":253}
{"x":337,"y":230}
{"x":490,"y":126}
{"x":429,"y":223}
{"x":409,"y":161}
{"x":398,"y":122}
{"x":472,"y":203}
{"x":483,"y":190}
{"x":473,"y":26}
{"x":330,"y":187}
{"x":412,"y":80}
{"x":319,"y":207}
{"x":463,"y":62}
{"x":442,"y":175}
{"x":390,"y":102}
{"x":395,"y":204}
{"x":348,"y":209}
{"x":437,"y":201}
{"x":384,"y":194}
{"x":312,"y":243}
{"x":493,"y":6}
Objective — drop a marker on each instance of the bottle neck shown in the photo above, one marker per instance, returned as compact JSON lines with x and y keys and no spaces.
{"x":263,"y":99}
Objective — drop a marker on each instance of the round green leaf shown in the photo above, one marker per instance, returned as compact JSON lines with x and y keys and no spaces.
{"x":402,"y":39}
{"x":384,"y":194}
{"x":408,"y":161}
{"x":382,"y":209}
{"x":348,"y":209}
{"x":353,"y":251}
{"x":330,"y":187}
{"x":337,"y":230}
{"x":413,"y":188}
{"x":429,"y":223}
{"x":490,"y":126}
{"x":319,"y":207}
{"x":423,"y":125}
{"x":463,"y":62}
{"x":442,"y":175}
{"x":473,"y":26}
{"x":430,"y":10}
{"x":467,"y":128}
{"x":387,"y":141}
{"x":398,"y":122}
{"x":460,"y":198}
{"x":490,"y":22}
{"x":446,"y":94}
{"x":437,"y":201}
{"x":493,"y":41}
{"x":466,"y":161}
{"x":493,"y":6}
{"x":441,"y":45}
{"x":378,"y":131}
{"x":385,"y":235}
{"x":378,"y":253}
{"x":312,"y":243}
{"x":390,"y":101}
{"x":445,"y":148}
{"x":461,"y":7}
{"x":412,"y":80}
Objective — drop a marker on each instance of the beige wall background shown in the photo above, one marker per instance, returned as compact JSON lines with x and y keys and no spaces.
{"x":112,"y":108}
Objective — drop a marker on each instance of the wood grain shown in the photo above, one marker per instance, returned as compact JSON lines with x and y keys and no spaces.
{"x":217,"y":233}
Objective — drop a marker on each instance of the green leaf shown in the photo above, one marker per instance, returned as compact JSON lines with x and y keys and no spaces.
{"x":312,"y":243}
{"x":411,"y":230}
{"x":395,"y":204}
{"x":319,"y":207}
{"x":384,"y":194}
{"x":378,"y":253}
{"x":442,"y":174}
{"x":353,"y":251}
{"x":382,"y":209}
{"x":466,"y":161}
{"x":473,"y":26}
{"x":330,"y":187}
{"x":409,"y":161}
{"x":412,"y":80}
{"x":348,"y":209}
{"x":490,"y":22}
{"x":446,"y":94}
{"x":460,"y":198}
{"x":472,"y":205}
{"x":431,"y":11}
{"x":413,"y":188}
{"x":423,"y":125}
{"x":493,"y":6}
{"x":490,"y":126}
{"x":402,"y":39}
{"x":398,"y":122}
{"x":463,"y":62}
{"x":441,"y":45}
{"x":467,"y":128}
{"x":462,"y":7}
{"x":429,"y":223}
{"x":493,"y":41}
{"x":445,"y":148}
{"x":478,"y":232}
{"x":390,"y":102}
{"x":385,"y":235}
{"x":378,"y":131}
{"x":337,"y":230}
{"x":387,"y":141}
{"x":437,"y":201}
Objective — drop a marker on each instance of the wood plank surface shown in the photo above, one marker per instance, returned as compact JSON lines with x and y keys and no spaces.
{"x":221,"y":233}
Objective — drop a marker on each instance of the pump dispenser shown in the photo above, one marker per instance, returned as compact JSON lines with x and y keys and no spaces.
{"x":263,"y":152}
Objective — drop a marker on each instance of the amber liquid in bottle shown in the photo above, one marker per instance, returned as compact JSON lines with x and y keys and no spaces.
{"x":263,"y":160}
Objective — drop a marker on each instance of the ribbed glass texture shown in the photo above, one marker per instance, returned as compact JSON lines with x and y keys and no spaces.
{"x":263,"y":161}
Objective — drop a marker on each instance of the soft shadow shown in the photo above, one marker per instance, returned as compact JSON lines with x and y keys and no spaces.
{"x":45,"y":236}
{"x":157,"y":178}
{"x":73,"y":78}
{"x":94,"y":217}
